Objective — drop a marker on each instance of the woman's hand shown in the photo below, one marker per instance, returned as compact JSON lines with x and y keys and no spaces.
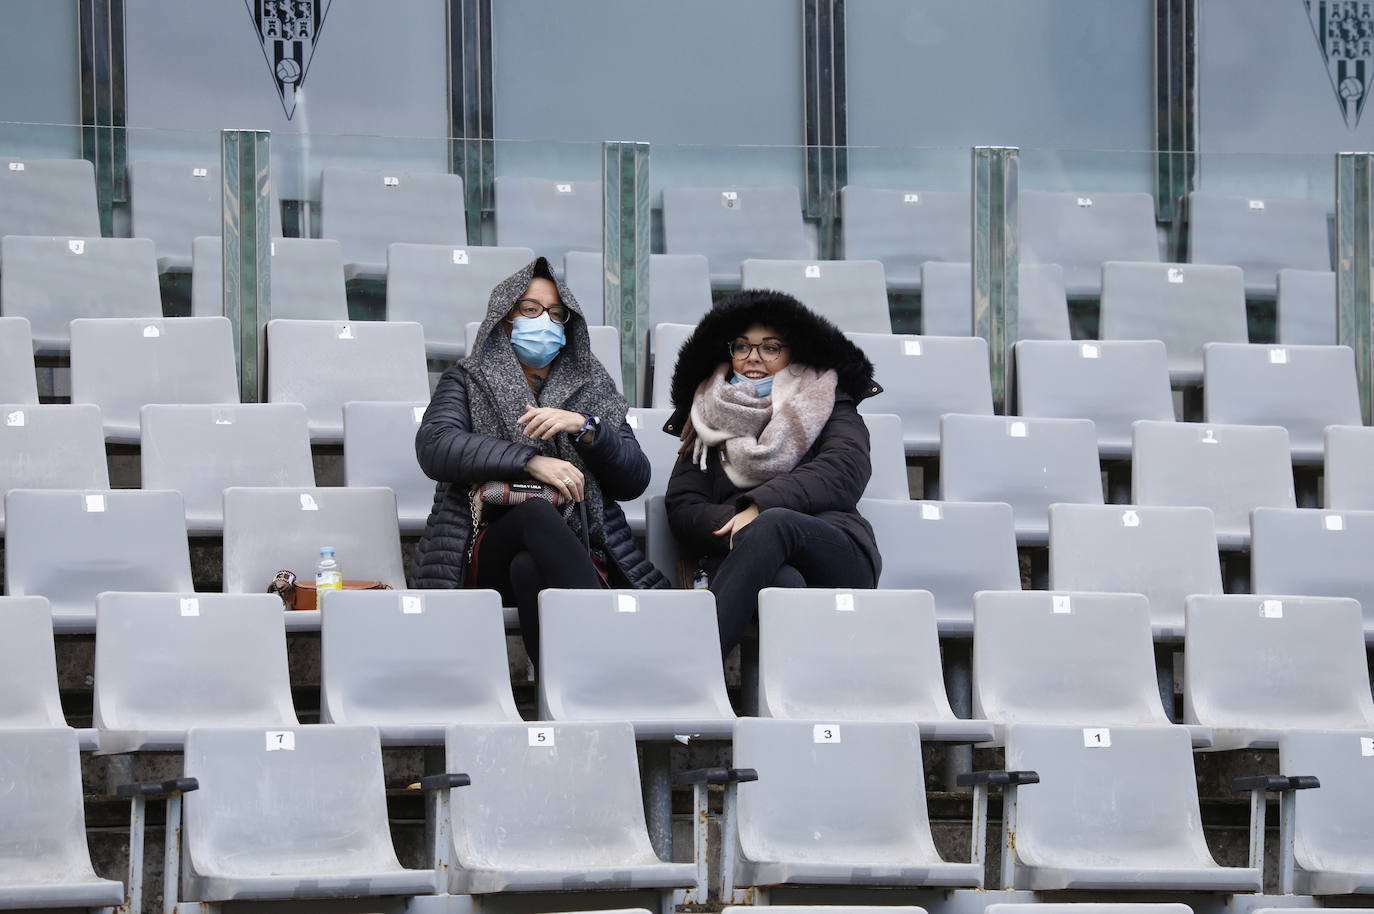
{"x":560,"y":474}
{"x":737,"y":523}
{"x":543,"y":422}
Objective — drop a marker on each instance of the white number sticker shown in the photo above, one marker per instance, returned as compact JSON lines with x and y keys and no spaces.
{"x":15,"y":419}
{"x":271,"y":249}
{"x":1085,"y":201}
{"x":1130,"y":519}
{"x":1097,"y":737}
{"x":931,"y":512}
{"x":1175,"y":275}
{"x":626,"y":603}
{"x":345,"y":332}
{"x":308,"y":502}
{"x":76,"y":246}
{"x":391,"y":182}
{"x":563,"y":188}
{"x":1278,"y":356}
{"x":1090,"y":351}
{"x":200,"y":172}
{"x":190,"y":606}
{"x":729,"y":199}
{"x":1366,"y":745}
{"x":281,"y":741}
{"x":911,"y":198}
{"x":825,"y":733}
{"x":1061,"y":604}
{"x":1271,"y":609}
{"x":632,"y":421}
{"x":1017,"y":430}
{"x":16,"y":166}
{"x":151,"y":332}
{"x":844,"y":602}
{"x":460,"y":256}
{"x":911,"y":347}
{"x":419,"y":413}
{"x":1334,"y":522}
{"x":95,"y":503}
{"x":1209,"y":436}
{"x":222,"y":417}
{"x":813,"y":271}
{"x":412,"y":605}
{"x":541,"y":736}
{"x":1257,"y":204}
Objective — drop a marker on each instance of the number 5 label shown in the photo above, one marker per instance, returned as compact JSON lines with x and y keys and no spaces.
{"x":541,"y":736}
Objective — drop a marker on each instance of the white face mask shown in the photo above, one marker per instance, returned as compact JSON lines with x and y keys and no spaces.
{"x":762,"y":386}
{"x":537,"y":340}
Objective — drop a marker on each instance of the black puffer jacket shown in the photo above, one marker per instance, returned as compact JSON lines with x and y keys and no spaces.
{"x":831,"y":476}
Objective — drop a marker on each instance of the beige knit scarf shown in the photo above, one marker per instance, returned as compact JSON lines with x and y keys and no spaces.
{"x":761,"y":437}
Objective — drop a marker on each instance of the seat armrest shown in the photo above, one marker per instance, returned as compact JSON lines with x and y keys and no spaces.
{"x":157,"y":788}
{"x":1271,"y":783}
{"x":715,"y":776}
{"x":997,"y":778}
{"x":1303,"y":782}
{"x":445,"y":781}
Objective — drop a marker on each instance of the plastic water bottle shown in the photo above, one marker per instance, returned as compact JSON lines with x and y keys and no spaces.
{"x":327,"y":573}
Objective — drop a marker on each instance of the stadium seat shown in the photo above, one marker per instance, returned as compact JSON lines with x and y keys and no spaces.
{"x":18,"y":380}
{"x":840,"y":655}
{"x":50,"y":281}
{"x":904,"y":229}
{"x":289,"y":814}
{"x":660,"y":546}
{"x":1332,"y":849}
{"x":668,"y":341}
{"x":1028,"y":463}
{"x":552,"y":807}
{"x":867,"y":825}
{"x":679,"y":286}
{"x":1255,"y":667}
{"x":121,"y":365}
{"x":48,"y":197}
{"x":307,"y":276}
{"x":1348,"y":484}
{"x":379,"y":450}
{"x":605,"y":346}
{"x":410,"y":663}
{"x":924,"y":377}
{"x":648,"y":657}
{"x":172,"y":203}
{"x":1182,"y":304}
{"x":166,"y":662}
{"x":1116,"y":808}
{"x":1113,"y":383}
{"x":28,"y":669}
{"x":1307,"y":307}
{"x":71,"y":546}
{"x":1231,"y":469}
{"x":442,"y":287}
{"x":1042,"y":308}
{"x":851,"y":294}
{"x":887,"y":457}
{"x":661,"y":449}
{"x":1261,"y":236}
{"x":325,"y":364}
{"x":67,"y":440}
{"x":46,"y":862}
{"x":1302,"y":388}
{"x":1167,"y":554}
{"x":1316,"y":553}
{"x":951,"y":549}
{"x":733,"y":224}
{"x":1082,"y":231}
{"x":367,"y":209}
{"x":550,"y":217}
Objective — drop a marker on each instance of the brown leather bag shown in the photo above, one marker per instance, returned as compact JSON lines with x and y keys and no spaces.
{"x":301,"y":594}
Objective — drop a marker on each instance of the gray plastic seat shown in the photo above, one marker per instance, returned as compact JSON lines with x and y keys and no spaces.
{"x":123,"y":365}
{"x":1231,"y":469}
{"x":18,"y":380}
{"x":951,"y":549}
{"x":851,"y":294}
{"x":379,"y":450}
{"x":48,"y":197}
{"x":1088,"y":907}
{"x":1255,"y":667}
{"x":648,"y":657}
{"x":733,"y":224}
{"x":70,"y":546}
{"x":904,"y":229}
{"x":841,"y":655}
{"x":47,"y":281}
{"x":1316,"y":553}
{"x":325,"y":364}
{"x":45,"y":861}
{"x":552,"y":807}
{"x":1082,"y":231}
{"x":367,"y":209}
{"x":668,"y":340}
{"x":28,"y":667}
{"x":410,"y":663}
{"x":549,"y":216}
{"x":1112,"y":382}
{"x":67,"y":440}
{"x":1116,"y":808}
{"x":307,"y":276}
{"x":924,"y":377}
{"x":863,"y":822}
{"x":1347,"y":483}
{"x":1028,"y":463}
{"x":166,"y":662}
{"x":1307,"y":307}
{"x":1332,"y":847}
{"x":605,"y":343}
{"x":887,"y":457}
{"x":1042,"y":308}
{"x":1182,"y":304}
{"x":679,"y":285}
{"x":1167,"y":554}
{"x":201,"y":450}
{"x":660,"y":546}
{"x":172,"y":203}
{"x":661,"y":450}
{"x":272,"y":822}
{"x":1302,"y":388}
{"x":1259,"y":235}
{"x":442,"y":287}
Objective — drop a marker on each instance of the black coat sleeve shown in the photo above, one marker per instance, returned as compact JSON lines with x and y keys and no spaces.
{"x":448,"y":449}
{"x":832,"y":479}
{"x":692,"y":511}
{"x":617,"y":462}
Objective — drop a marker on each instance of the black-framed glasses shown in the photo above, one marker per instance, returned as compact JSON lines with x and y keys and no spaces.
{"x":528,"y":307}
{"x":768,"y":350}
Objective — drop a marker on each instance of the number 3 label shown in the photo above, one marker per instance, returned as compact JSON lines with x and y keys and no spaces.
{"x":826,"y":733}
{"x":541,"y":736}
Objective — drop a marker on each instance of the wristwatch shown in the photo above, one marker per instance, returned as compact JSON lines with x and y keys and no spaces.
{"x":589,"y":424}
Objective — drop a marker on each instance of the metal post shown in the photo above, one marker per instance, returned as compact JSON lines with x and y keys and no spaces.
{"x":246,"y":251}
{"x":1354,"y":261}
{"x":996,"y":224}
{"x":957,"y":661}
{"x":625,"y":239}
{"x":133,"y":894}
{"x":1287,"y":807}
{"x":1257,"y":810}
{"x":701,"y":837}
{"x":658,"y":799}
{"x":471,"y":107}
{"x":100,"y":25}
{"x":1009,"y":837}
{"x":978,"y":840}
{"x":1175,"y":104}
{"x":825,"y":117}
{"x":171,"y":854}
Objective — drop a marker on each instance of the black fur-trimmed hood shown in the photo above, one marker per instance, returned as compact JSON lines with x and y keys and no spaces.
{"x":815,"y":342}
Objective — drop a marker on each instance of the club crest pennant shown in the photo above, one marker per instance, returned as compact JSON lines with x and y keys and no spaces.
{"x":288,"y":31}
{"x":1345,"y":36}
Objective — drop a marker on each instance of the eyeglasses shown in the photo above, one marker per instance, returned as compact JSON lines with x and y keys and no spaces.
{"x":528,"y":307}
{"x":768,"y":351}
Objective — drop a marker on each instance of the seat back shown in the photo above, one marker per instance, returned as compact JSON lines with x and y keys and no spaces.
{"x":887,"y":457}
{"x":1081,"y":231}
{"x":733,"y":224}
{"x":661,"y":450}
{"x":548,"y":216}
{"x":71,"y":443}
{"x":852,"y":294}
{"x":1261,"y":236}
{"x":18,"y":380}
{"x":904,"y":229}
{"x":1042,"y":308}
{"x":1307,"y":307}
{"x":48,"y":197}
{"x":668,"y":340}
{"x":367,"y":209}
{"x":1316,"y":553}
{"x":379,"y":450}
{"x":172,"y":203}
{"x":1330,"y":824}
{"x":679,"y":287}
{"x":442,"y":288}
{"x":1347,"y":483}
{"x":661,"y":546}
{"x":41,"y":805}
{"x":28,"y":665}
{"x":307,"y":278}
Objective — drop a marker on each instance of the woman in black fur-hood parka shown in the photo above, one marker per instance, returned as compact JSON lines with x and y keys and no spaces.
{"x":775,"y":455}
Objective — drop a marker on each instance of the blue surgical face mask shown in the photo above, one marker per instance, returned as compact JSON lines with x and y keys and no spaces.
{"x":536,"y":340}
{"x":763,"y":386}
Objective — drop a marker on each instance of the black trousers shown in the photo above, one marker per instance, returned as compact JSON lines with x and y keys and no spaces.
{"x":782,"y":548}
{"x":530,"y":547}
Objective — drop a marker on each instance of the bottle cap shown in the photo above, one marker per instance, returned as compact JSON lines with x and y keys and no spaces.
{"x":326,"y":550}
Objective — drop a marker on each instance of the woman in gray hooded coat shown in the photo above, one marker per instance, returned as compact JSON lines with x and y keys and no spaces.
{"x":531,"y":402}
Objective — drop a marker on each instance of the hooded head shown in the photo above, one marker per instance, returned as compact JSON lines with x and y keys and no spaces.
{"x":494,"y":335}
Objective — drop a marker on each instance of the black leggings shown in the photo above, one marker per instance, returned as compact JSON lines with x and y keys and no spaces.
{"x":782,"y":548}
{"x":528,"y":548}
